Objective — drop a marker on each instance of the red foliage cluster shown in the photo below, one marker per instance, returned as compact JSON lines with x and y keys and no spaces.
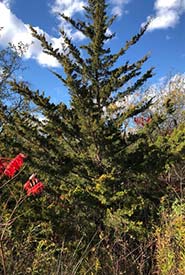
{"x":141,"y":121}
{"x":14,"y":165}
{"x":9,"y":167}
{"x":33,"y":186}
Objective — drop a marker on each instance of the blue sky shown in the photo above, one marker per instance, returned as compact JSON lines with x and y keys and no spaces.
{"x":165,"y":38}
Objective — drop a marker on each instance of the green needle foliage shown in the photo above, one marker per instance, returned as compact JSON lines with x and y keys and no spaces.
{"x":102,"y":189}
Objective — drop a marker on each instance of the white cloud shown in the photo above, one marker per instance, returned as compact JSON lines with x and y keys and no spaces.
{"x":117,"y":10}
{"x":163,"y":4}
{"x":15,"y":31}
{"x":68,"y":7}
{"x":46,"y":60}
{"x":118,"y":6}
{"x":7,"y":3}
{"x":168,"y":13}
{"x":13,"y":28}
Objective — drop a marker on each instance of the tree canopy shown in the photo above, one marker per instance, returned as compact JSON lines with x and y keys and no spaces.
{"x":103,"y":185}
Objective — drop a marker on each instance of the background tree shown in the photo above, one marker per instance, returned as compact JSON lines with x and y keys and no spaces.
{"x":11,"y":103}
{"x":11,"y":68}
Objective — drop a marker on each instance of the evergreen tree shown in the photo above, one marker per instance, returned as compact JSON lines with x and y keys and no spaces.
{"x":99,"y":179}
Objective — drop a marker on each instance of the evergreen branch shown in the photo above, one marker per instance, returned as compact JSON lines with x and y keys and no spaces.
{"x":38,"y":99}
{"x":80,"y":25}
{"x":63,"y":58}
{"x":133,"y":112}
{"x":83,"y":27}
{"x":59,"y":76}
{"x":136,"y":86}
{"x":117,"y":72}
{"x":73,"y":50}
{"x":131,"y":42}
{"x":113,"y":84}
{"x":54,"y":112}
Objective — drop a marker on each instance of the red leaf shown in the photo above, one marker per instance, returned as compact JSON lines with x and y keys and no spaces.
{"x":14,"y":165}
{"x":36,"y":189}
{"x":33,"y":186}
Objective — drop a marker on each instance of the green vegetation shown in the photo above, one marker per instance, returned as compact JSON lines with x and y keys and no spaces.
{"x":111,"y":180}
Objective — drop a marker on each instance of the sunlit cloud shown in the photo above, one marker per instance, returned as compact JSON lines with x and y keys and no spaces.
{"x":68,"y":7}
{"x":15,"y":31}
{"x":118,"y":6}
{"x":167,"y":14}
{"x":7,"y":3}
